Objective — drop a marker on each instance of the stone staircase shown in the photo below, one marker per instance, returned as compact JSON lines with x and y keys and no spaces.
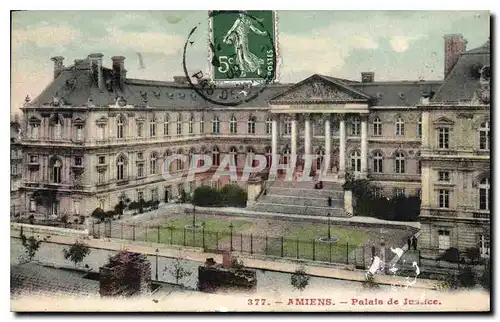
{"x":300,"y":198}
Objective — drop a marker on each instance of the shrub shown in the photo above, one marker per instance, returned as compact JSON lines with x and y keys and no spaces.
{"x":184,"y":197}
{"x":466,"y":277}
{"x":64,"y":219}
{"x":99,"y":214}
{"x":120,"y":207}
{"x":205,"y":196}
{"x":233,"y":195}
{"x":110,"y":214}
{"x":473,"y":254}
{"x":299,"y":279}
{"x":76,"y":252}
{"x":485,"y":277}
{"x":133,"y":205}
{"x":451,"y":255}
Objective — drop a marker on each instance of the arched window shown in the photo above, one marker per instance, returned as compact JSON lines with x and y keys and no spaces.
{"x":191,"y":122}
{"x":400,"y":126}
{"x":233,"y":125}
{"x":377,"y":126}
{"x":251,"y":125}
{"x":179,"y":124}
{"x":119,"y":127}
{"x":269,"y":125}
{"x":419,"y":127}
{"x":356,"y":161}
{"x":286,"y":156}
{"x":287,"y":126}
{"x":484,"y":136}
{"x":320,"y":157}
{"x":484,"y":194}
{"x":215,"y":125}
{"x":399,"y":162}
{"x":56,"y":171}
{"x":269,"y":156}
{"x":153,"y":169}
{"x":355,"y":126}
{"x":120,"y":168}
{"x":215,"y":156}
{"x":166,"y":124}
{"x":233,"y":152}
{"x":378,"y":160}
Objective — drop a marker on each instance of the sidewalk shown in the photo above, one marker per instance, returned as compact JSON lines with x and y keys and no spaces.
{"x":335,"y":220}
{"x":279,"y":265}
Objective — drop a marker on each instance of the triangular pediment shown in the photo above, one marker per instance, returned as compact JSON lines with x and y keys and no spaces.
{"x":317,"y":89}
{"x":443,"y":121}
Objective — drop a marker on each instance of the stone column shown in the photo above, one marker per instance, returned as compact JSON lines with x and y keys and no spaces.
{"x":274,"y":144}
{"x":294,"y":137}
{"x":328,"y":142}
{"x":342,"y":146}
{"x":364,"y":146}
{"x":307,"y":135}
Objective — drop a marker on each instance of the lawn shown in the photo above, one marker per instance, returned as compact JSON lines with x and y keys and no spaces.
{"x":302,"y":242}
{"x":214,"y":234}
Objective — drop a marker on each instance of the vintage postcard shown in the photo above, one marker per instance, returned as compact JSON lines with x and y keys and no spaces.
{"x":250,"y":161}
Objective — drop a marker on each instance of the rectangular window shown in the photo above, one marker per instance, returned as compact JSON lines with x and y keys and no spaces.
{"x":13,"y":169}
{"x":139,"y":156}
{"x":484,"y":140}
{"x":377,"y":129}
{"x":100,"y":132}
{"x":32,"y":205}
{"x":399,"y":192}
{"x":140,"y":129}
{"x":101,"y":177}
{"x":34,"y":131}
{"x":154,"y":194}
{"x":444,"y":138}
{"x":484,"y":245}
{"x":179,"y":128}
{"x":140,"y":170}
{"x":419,"y":129}
{"x":165,"y":129}
{"x":33,"y":159}
{"x":76,"y":207}
{"x":102,"y":203}
{"x":152,"y":129}
{"x":444,"y":176}
{"x":484,"y":201}
{"x":378,"y":192}
{"x":78,"y":161}
{"x":444,"y":239}
{"x":191,"y":127}
{"x":140,"y":195}
{"x":400,"y":129}
{"x":202,"y":126}
{"x":102,"y":159}
{"x":33,"y":175}
{"x":444,"y":198}
{"x":79,"y":133}
{"x":377,"y":165}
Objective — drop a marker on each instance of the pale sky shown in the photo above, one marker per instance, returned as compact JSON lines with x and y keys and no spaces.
{"x":396,"y":45}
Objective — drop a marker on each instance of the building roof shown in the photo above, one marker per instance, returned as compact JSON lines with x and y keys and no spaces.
{"x":33,"y":279}
{"x":77,"y":87}
{"x":462,"y":83}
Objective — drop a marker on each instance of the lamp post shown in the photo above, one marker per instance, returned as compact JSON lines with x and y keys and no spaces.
{"x":156,"y":275}
{"x":329,"y":234}
{"x":194,"y":216}
{"x":231,"y":231}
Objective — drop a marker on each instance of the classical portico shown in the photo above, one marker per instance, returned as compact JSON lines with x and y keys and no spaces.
{"x":320,"y":101}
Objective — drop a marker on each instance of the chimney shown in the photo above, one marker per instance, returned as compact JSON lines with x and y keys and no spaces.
{"x":367,"y":77}
{"x":119,"y":72}
{"x":58,"y":65}
{"x":454,"y":45}
{"x":96,"y":69}
{"x":180,"y":80}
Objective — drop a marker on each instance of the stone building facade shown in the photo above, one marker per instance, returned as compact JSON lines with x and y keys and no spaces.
{"x":94,"y":136}
{"x":455,"y":154}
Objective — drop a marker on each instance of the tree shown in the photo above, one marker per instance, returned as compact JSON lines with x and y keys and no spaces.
{"x":99,"y":214}
{"x":473,"y":254}
{"x":120,"y":206}
{"x":370,"y":282}
{"x":76,"y":252}
{"x":31,"y":246}
{"x":300,"y":279}
{"x":178,"y":271}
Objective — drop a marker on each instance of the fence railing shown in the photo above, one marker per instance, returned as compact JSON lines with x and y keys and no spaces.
{"x":219,"y":241}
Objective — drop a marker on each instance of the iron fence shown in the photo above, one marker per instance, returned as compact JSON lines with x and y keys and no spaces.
{"x":220,"y":241}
